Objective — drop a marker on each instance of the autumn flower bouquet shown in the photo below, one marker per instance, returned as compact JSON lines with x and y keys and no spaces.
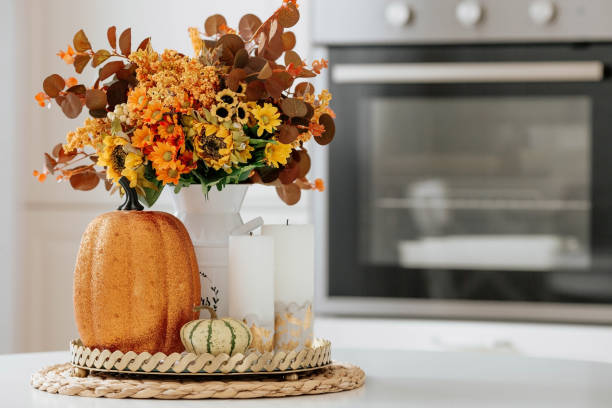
{"x":238,"y":111}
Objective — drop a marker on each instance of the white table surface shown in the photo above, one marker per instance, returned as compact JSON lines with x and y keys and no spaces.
{"x":394,"y":379}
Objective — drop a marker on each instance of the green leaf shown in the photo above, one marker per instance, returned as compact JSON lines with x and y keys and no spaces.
{"x":151,"y":195}
{"x":259,"y":142}
{"x":116,"y":126}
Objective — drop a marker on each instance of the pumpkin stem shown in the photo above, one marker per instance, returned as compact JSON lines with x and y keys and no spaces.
{"x":131,"y":198}
{"x":213,"y":314}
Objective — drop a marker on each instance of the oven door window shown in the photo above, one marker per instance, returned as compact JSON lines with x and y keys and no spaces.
{"x":478,"y":183}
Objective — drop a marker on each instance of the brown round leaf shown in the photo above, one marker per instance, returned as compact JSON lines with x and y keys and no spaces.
{"x":292,"y":57}
{"x":274,"y":49}
{"x":304,"y":88}
{"x":241,"y":59}
{"x":288,"y":39}
{"x":72,"y":105}
{"x":273,"y":28}
{"x":125,"y":41}
{"x":117,"y":94}
{"x":248,"y":25}
{"x":330,"y":130}
{"x":77,"y":89}
{"x":287,"y":134}
{"x":212,"y":24}
{"x":111,"y":34}
{"x":303,"y":163}
{"x":261,"y":42}
{"x":266,"y":72}
{"x":53,"y":84}
{"x":277,"y":83}
{"x":268,"y":174}
{"x":80,"y":61}
{"x":64,"y":157}
{"x":95,"y":99}
{"x":288,"y":16}
{"x":255,"y":64}
{"x":289,"y":193}
{"x":84,"y":180}
{"x":293,"y":107}
{"x":255,"y":91}
{"x":97,"y":113}
{"x":289,"y":173}
{"x":109,"y":69}
{"x":306,"y":73}
{"x":80,"y":41}
{"x":228,"y":46}
{"x":56,"y":149}
{"x":234,"y":78}
{"x":99,"y":57}
{"x":144,"y":43}
{"x":50,"y":163}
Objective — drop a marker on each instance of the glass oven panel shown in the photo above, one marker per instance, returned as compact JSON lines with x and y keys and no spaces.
{"x":477,"y":183}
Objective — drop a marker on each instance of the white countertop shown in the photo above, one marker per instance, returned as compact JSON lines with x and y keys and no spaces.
{"x":394,"y":379}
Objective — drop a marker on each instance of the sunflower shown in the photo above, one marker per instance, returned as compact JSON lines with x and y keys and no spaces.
{"x":277,"y":153}
{"x":118,"y":161}
{"x":137,"y":99}
{"x":267,"y":118}
{"x":227,"y":96}
{"x":170,"y":174}
{"x":214,"y":148}
{"x":163,"y":155}
{"x":222,"y":111}
{"x":142,"y":137}
{"x":242,"y":113}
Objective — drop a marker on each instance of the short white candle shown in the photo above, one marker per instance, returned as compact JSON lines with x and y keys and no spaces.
{"x":293,"y":284}
{"x":251,"y":286}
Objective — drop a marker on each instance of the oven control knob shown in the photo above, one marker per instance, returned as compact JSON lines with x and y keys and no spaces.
{"x":469,"y":13}
{"x":542,"y":11}
{"x":398,"y":13}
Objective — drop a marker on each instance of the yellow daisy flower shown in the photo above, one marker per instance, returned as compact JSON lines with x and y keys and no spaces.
{"x":241,"y":152}
{"x":276,"y":153}
{"x":267,"y":117}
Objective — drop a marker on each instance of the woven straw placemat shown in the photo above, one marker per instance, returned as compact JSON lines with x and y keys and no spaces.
{"x":58,"y":379}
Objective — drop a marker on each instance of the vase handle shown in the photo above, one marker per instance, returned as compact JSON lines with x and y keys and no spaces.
{"x":244,"y":229}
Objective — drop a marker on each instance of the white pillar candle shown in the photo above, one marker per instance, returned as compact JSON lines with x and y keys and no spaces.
{"x":251,"y":286}
{"x":293,"y":284}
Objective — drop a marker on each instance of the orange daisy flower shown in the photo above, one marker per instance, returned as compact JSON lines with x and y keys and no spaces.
{"x":142,"y":137}
{"x":154,"y":112}
{"x":137,"y":99}
{"x":171,"y":174}
{"x":163,"y":155}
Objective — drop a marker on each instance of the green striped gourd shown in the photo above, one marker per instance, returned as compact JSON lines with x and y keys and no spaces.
{"x":215,"y":336}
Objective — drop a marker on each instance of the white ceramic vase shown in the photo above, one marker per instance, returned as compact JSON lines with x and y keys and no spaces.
{"x":209,"y":221}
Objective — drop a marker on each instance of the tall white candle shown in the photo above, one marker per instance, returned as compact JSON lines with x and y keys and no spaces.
{"x":251,"y":286}
{"x":293,"y":284}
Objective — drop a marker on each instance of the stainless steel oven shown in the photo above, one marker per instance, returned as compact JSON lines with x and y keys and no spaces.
{"x":470,"y":174}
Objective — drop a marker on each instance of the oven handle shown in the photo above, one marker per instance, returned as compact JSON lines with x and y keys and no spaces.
{"x":457,"y":72}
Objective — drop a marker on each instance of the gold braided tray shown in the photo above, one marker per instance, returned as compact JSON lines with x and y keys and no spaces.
{"x":59,"y":379}
{"x":280,"y":362}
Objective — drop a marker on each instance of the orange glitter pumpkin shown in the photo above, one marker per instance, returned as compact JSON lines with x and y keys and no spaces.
{"x":136,"y":281}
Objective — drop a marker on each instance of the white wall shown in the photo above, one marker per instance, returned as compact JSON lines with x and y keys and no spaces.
{"x":55,"y":215}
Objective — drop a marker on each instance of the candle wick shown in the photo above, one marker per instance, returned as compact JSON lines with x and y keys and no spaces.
{"x":287,"y":221}
{"x":251,"y":233}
